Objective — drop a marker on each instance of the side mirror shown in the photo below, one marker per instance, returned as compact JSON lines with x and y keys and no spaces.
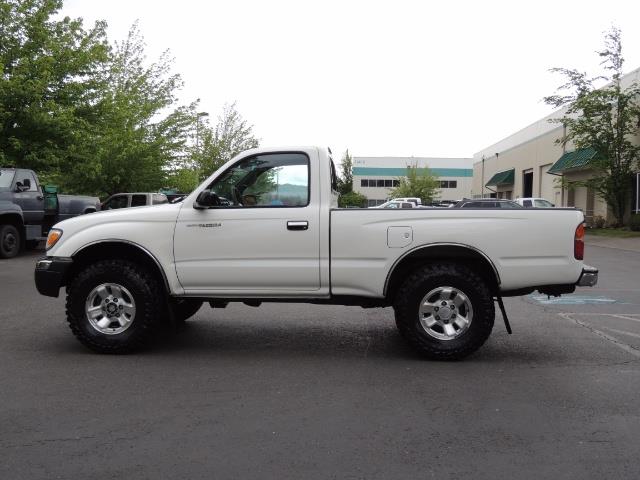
{"x":206,"y":199}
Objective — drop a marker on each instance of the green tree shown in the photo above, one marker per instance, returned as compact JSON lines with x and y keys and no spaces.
{"x":231,"y":136}
{"x":352,"y":199}
{"x":606,"y":119}
{"x":141,"y":131}
{"x":184,"y":180}
{"x":419,"y":183}
{"x":345,"y":180}
{"x":48,"y":84}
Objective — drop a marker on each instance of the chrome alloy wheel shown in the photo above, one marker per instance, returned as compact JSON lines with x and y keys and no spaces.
{"x":110,"y":308}
{"x":445,"y":313}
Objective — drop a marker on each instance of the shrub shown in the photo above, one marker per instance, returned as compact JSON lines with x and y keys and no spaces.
{"x":599,"y":221}
{"x":352,"y":199}
{"x":634,"y":223}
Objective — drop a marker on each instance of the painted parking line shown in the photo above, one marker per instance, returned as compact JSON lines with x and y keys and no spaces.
{"x":574,"y":300}
{"x":622,"y":332}
{"x":635,"y":351}
{"x":632,"y":316}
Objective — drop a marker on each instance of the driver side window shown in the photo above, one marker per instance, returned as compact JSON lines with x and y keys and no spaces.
{"x":271,"y":180}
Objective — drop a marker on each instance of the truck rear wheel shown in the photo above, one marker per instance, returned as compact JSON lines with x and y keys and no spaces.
{"x":10,"y":241}
{"x":445,"y":311}
{"x":113,"y":306}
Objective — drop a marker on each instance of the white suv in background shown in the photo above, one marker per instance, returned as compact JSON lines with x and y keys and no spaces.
{"x":416,"y":201}
{"x":534,"y":203}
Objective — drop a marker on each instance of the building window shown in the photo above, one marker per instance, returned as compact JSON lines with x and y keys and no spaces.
{"x":448,"y":184}
{"x":370,"y":182}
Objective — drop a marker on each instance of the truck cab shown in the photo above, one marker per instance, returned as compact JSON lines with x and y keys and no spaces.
{"x":28,"y":210}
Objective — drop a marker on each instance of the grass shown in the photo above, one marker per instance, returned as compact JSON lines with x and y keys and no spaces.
{"x":613,"y":232}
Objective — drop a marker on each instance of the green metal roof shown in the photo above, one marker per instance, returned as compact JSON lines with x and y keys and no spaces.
{"x":507,"y":177}
{"x":577,"y":159}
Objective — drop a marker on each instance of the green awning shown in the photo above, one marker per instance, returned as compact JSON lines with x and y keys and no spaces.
{"x":502,"y":178}
{"x":577,"y":159}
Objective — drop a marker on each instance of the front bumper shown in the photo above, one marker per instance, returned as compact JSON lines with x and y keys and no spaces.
{"x":588,"y":277}
{"x":50,"y":274}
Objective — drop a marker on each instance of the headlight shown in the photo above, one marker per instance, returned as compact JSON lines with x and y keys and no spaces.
{"x":53,"y":237}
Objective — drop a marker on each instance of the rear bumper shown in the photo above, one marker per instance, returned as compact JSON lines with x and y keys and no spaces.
{"x":50,"y":274}
{"x":588,"y":277}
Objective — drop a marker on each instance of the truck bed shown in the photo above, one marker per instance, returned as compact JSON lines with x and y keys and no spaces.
{"x":526,"y":246}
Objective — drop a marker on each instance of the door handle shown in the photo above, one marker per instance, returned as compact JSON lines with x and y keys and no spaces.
{"x":40,"y":197}
{"x":297,"y":225}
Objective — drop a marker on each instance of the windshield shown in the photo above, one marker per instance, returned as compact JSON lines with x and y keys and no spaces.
{"x":6,"y":177}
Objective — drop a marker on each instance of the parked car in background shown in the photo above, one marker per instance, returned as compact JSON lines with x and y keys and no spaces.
{"x":28,"y":210}
{"x":396,"y":204}
{"x":534,"y":203}
{"x":127,"y":200}
{"x":444,"y":203}
{"x":416,"y":201}
{"x":486,"y":203}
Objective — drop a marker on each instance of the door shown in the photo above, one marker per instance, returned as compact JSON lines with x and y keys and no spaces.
{"x":527,"y":183}
{"x":262,"y":237}
{"x":28,"y":197}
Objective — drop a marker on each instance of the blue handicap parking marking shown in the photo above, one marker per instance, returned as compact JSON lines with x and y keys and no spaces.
{"x":574,"y":300}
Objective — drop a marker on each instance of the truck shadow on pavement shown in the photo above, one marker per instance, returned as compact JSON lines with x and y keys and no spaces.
{"x":345,"y":340}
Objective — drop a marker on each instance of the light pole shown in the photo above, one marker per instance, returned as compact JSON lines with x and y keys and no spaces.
{"x":482,"y":180}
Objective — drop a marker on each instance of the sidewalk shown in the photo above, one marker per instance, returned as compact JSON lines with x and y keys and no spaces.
{"x":631,"y":244}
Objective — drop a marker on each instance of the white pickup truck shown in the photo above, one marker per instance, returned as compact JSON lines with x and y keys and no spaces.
{"x":266,"y":228}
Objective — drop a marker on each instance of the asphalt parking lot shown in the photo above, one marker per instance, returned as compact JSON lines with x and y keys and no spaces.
{"x":297,"y":391}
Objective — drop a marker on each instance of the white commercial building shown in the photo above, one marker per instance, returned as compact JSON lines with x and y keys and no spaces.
{"x":375,"y":177}
{"x":531,"y":163}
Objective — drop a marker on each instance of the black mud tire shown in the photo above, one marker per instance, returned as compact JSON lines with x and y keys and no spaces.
{"x":10,"y":241}
{"x":147,"y":293}
{"x":184,"y":308}
{"x":432,"y":276}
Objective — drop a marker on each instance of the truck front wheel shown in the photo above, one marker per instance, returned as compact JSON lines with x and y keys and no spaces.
{"x":113,"y":306}
{"x":10,"y":241}
{"x":445,"y":311}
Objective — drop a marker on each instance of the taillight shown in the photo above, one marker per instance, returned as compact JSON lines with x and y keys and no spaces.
{"x":578,"y":243}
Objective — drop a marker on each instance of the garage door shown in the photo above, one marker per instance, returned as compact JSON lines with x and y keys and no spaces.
{"x":547,"y":188}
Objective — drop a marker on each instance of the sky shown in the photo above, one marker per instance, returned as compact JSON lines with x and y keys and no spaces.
{"x":394,"y":78}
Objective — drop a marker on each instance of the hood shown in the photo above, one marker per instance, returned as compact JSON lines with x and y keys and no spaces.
{"x":167,"y":212}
